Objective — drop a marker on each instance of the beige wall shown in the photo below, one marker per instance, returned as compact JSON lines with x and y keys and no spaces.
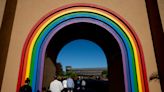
{"x":161,"y":10}
{"x":30,"y":11}
{"x":2,"y":8}
{"x":49,"y":72}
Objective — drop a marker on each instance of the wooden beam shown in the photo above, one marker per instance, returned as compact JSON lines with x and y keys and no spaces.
{"x":157,"y":36}
{"x":5,"y":34}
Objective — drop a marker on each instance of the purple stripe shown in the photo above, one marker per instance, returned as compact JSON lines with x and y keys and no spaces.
{"x":88,"y":20}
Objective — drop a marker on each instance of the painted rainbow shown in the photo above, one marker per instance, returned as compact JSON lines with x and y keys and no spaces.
{"x":33,"y":53}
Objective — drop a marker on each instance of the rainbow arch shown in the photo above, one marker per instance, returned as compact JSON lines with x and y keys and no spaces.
{"x":33,"y":53}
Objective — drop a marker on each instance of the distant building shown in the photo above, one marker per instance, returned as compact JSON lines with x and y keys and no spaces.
{"x":68,"y":68}
{"x":86,"y":71}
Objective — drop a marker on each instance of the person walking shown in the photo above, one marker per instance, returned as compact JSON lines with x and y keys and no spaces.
{"x":83,"y":85}
{"x":26,"y":87}
{"x":78,"y":84}
{"x":56,"y":85}
{"x":70,"y":84}
{"x":64,"y":82}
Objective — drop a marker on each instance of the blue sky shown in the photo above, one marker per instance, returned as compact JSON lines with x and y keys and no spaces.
{"x":82,"y":54}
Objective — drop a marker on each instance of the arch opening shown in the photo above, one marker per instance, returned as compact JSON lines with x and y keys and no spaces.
{"x":101,"y":37}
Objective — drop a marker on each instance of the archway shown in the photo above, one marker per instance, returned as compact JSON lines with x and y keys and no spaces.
{"x":33,"y":53}
{"x":98,"y":35}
